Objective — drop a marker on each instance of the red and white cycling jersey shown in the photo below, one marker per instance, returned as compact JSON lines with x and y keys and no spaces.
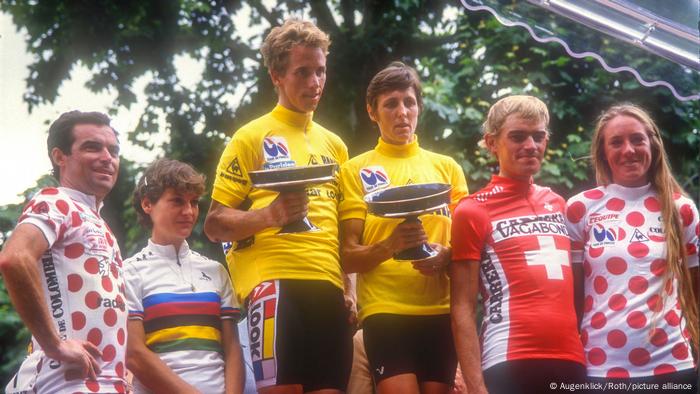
{"x":516,"y":230}
{"x":618,"y":235}
{"x":84,"y":289}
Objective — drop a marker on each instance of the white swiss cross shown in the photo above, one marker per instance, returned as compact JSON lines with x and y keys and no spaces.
{"x":549,"y":256}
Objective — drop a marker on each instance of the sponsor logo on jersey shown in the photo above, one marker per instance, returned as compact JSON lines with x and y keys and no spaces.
{"x":604,"y":234}
{"x":205,"y":276}
{"x":606,"y":217}
{"x":235,"y":168}
{"x":262,"y":310}
{"x":638,"y":236}
{"x":656,"y":234}
{"x":374,"y":178}
{"x":495,"y":287}
{"x":276,"y":153}
{"x":548,"y":206}
{"x":552,"y":224}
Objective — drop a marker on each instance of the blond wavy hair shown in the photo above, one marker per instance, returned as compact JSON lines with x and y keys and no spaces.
{"x":527,"y":107}
{"x":281,"y":39}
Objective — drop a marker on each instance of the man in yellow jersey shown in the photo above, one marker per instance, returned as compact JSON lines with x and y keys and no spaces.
{"x":292,"y":285}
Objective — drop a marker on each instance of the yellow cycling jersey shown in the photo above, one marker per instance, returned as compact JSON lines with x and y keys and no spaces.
{"x":281,"y":136}
{"x":396,"y":287}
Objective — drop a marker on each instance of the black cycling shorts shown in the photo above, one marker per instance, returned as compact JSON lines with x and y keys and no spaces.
{"x":401,"y":344}
{"x":299,"y":334}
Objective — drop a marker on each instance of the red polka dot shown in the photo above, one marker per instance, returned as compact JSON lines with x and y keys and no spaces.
{"x":600,"y":284}
{"x":686,"y":214}
{"x":73,"y":251}
{"x":115,"y":272}
{"x":120,"y":302}
{"x":597,"y":356}
{"x":593,"y":194}
{"x":92,"y":385}
{"x":575,"y":212}
{"x":49,"y":191}
{"x":598,"y":320}
{"x":680,"y":351}
{"x":658,"y":267}
{"x":62,"y":232}
{"x":587,"y":269}
{"x":652,"y":204}
{"x":93,"y":299}
{"x":635,"y":219}
{"x":110,"y":241}
{"x":691,"y":249}
{"x":615,"y":204}
{"x":638,"y":284}
{"x":108,"y":353}
{"x":618,"y":372}
{"x":639,"y":356}
{"x":107,"y":283}
{"x":616,"y":265}
{"x":617,"y":302}
{"x":686,"y":333}
{"x":62,"y":207}
{"x":638,"y":249}
{"x":41,"y":207}
{"x":110,"y":317}
{"x":617,"y":339}
{"x":121,"y":336}
{"x":672,"y":319}
{"x":119,"y":368}
{"x":663,"y":369}
{"x":658,"y":337}
{"x":75,"y":282}
{"x":621,"y":234}
{"x":119,"y":386}
{"x":92,"y":266}
{"x":95,"y":336}
{"x":595,"y":252}
{"x":78,"y":320}
{"x":588,"y":304}
{"x":584,"y":337}
{"x":76,"y":220}
{"x":636,"y":319}
{"x":655,"y":303}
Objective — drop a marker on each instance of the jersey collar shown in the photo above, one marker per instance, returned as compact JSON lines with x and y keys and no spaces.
{"x":168,"y":251}
{"x":292,"y":118}
{"x":392,"y":150}
{"x":628,"y":192}
{"x":514,"y":185}
{"x":86,"y":199}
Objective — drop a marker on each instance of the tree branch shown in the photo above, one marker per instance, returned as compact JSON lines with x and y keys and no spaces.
{"x":320,"y":10}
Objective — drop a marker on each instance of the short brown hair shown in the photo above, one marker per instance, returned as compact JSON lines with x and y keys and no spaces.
{"x":161,"y":175}
{"x":281,"y":40}
{"x":527,"y":107}
{"x":395,"y":76}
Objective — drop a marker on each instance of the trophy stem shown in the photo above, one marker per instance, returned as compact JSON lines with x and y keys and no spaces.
{"x":421,"y":252}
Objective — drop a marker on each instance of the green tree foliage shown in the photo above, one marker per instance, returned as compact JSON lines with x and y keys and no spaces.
{"x":467,"y":61}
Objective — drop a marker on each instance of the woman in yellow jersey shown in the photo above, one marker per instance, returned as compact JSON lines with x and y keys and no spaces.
{"x":404,"y":307}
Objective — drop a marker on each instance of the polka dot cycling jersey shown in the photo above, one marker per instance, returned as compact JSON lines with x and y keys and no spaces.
{"x":83,"y":287}
{"x":618,"y":236}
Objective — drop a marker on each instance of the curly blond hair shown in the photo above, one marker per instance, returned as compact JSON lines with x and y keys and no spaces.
{"x":277,"y":44}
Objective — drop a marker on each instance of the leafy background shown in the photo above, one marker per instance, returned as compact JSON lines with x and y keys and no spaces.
{"x":466,"y":60}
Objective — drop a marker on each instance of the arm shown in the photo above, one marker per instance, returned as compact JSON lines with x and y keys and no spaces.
{"x":230,"y":224}
{"x":234,"y":370}
{"x":148,"y":367}
{"x":350,"y":295}
{"x":577,"y":270}
{"x":434,"y":265}
{"x":356,"y":257}
{"x":464,"y":277}
{"x":18,"y":264}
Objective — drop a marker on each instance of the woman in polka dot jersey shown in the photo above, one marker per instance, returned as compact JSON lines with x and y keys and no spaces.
{"x":636,"y":235}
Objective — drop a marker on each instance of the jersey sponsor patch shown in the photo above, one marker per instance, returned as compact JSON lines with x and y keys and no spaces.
{"x":374,"y":178}
{"x":262,"y":312}
{"x":606,"y":217}
{"x":529,"y":225}
{"x":275,"y":149}
{"x":604,"y":234}
{"x":235,"y":168}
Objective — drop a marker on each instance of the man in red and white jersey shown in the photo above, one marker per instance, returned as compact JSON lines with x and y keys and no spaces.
{"x":62,"y":267}
{"x":509,"y":241}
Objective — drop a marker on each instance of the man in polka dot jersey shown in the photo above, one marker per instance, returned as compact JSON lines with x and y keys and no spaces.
{"x":62,"y":267}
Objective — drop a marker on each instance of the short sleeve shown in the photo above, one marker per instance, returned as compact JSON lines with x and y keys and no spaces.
{"x":691,"y":227}
{"x":230,"y":309}
{"x":352,"y":205}
{"x":470,"y":227}
{"x":134,"y":290}
{"x":232,"y":183}
{"x":575,"y":226}
{"x":50,"y":211}
{"x":459,"y":185}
